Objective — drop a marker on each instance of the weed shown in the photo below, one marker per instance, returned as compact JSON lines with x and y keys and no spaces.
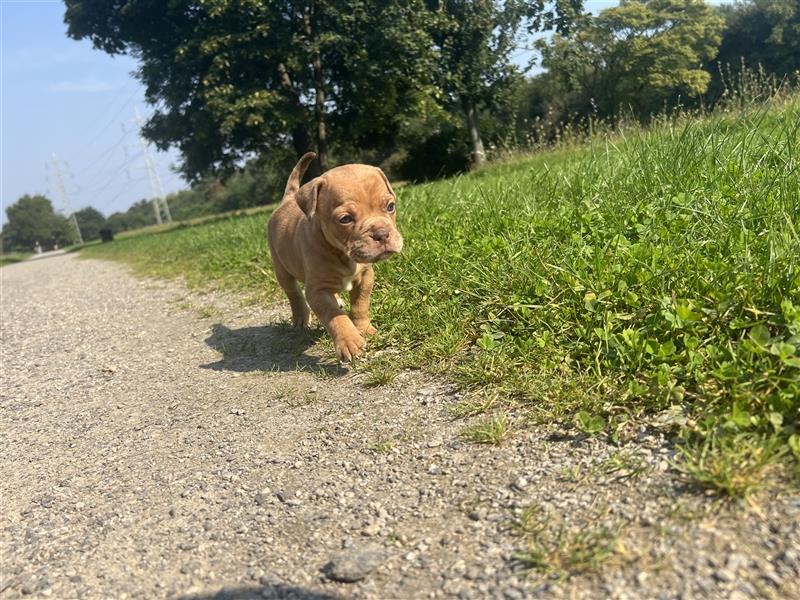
{"x":474,"y":406}
{"x":490,"y":431}
{"x":207,"y":311}
{"x":554,"y":549}
{"x":735,"y":466}
{"x":380,"y":371}
{"x":623,"y":464}
{"x":382,"y":447}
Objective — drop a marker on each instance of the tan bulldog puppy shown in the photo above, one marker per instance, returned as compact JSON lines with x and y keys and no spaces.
{"x":327,"y":234}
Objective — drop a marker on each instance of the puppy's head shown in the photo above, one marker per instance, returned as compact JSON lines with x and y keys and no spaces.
{"x":357,"y":211}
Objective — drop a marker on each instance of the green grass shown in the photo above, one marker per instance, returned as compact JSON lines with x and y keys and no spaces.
{"x":557,"y":550}
{"x":9,"y":258}
{"x":489,"y":431}
{"x":733,"y":466}
{"x":618,"y":279}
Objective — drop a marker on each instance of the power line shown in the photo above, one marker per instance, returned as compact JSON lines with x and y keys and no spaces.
{"x":105,"y":155}
{"x":123,"y":190}
{"x":116,"y":171}
{"x":97,"y":136}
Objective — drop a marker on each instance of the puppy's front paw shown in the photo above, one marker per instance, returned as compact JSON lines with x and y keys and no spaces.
{"x":301,"y":322}
{"x":349,"y":345}
{"x":364,"y":328}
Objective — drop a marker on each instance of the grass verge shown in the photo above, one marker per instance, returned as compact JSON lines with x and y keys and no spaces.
{"x":638,"y":274}
{"x":9,"y":258}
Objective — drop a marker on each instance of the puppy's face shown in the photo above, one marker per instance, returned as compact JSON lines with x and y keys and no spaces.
{"x":358,"y":212}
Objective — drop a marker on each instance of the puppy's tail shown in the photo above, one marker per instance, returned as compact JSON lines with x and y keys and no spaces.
{"x":297,"y":174}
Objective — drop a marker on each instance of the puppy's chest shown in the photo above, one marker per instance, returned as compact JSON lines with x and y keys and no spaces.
{"x":352,"y":278}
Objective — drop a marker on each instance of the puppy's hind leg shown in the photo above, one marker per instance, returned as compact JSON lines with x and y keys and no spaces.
{"x":300,"y":311}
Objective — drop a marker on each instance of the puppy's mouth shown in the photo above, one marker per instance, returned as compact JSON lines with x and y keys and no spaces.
{"x":376,"y":257}
{"x":371,"y":253}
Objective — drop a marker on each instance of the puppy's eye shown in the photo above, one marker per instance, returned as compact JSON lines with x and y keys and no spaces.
{"x":345,"y":219}
{"x":390,"y":207}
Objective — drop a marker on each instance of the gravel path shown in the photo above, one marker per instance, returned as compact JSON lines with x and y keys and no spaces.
{"x":162,"y":444}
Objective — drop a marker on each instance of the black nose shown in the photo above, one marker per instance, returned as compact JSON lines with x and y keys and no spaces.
{"x":380,"y":235}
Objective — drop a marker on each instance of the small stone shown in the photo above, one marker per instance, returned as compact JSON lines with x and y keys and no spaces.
{"x":735,"y":561}
{"x":519,"y":484}
{"x":474,"y":515}
{"x":513,"y":594}
{"x":285,"y":495}
{"x":791,"y":558}
{"x":371,"y":530}
{"x":354,"y":564}
{"x":772,"y":578}
{"x":725,"y":575}
{"x":28,"y":588}
{"x":434,"y":470}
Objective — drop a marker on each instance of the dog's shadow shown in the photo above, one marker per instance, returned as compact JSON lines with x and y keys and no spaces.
{"x":272,"y":348}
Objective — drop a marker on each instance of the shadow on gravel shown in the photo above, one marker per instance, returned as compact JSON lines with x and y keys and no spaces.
{"x":277,"y":591}
{"x":269,"y":348}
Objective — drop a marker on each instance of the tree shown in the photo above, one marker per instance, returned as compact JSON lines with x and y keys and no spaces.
{"x":31,"y":219}
{"x":475,"y":40}
{"x":140,"y":214}
{"x":762,"y":32}
{"x":91,"y":221}
{"x":639,"y":55}
{"x":232,"y":79}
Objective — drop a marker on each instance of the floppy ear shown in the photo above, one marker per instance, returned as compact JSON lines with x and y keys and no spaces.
{"x":306,"y":197}
{"x":386,"y":181}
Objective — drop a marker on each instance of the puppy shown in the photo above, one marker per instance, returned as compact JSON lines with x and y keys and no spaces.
{"x":327,"y":235}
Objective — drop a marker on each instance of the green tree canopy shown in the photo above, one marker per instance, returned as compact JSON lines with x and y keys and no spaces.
{"x":475,"y":40}
{"x":762,"y":32}
{"x":91,"y":221}
{"x":31,"y":219}
{"x":232,"y":79}
{"x":640,"y":55}
{"x":141,"y":214}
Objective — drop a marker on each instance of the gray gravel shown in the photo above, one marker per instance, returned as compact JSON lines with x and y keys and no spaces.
{"x":162,"y":444}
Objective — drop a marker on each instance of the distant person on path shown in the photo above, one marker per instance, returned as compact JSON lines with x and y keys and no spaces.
{"x":37,"y":248}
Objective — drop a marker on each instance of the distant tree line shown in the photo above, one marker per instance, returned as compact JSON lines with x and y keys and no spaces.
{"x":423,"y":88}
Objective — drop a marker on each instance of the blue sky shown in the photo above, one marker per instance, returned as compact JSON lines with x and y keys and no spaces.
{"x":61,"y":96}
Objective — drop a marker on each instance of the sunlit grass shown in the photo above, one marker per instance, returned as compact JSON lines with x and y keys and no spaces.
{"x":613,"y":280}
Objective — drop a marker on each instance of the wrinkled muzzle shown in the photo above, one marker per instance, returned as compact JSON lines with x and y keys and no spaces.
{"x":376,"y":243}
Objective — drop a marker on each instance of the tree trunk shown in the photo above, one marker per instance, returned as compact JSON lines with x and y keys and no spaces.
{"x":478,"y":153}
{"x":301,"y":138}
{"x":319,"y":94}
